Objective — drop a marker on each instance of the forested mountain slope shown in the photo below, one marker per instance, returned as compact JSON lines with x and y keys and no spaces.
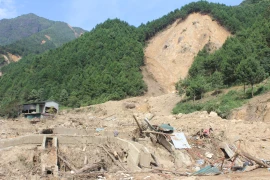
{"x":23,"y":26}
{"x":99,"y":66}
{"x":12,"y":30}
{"x":31,"y":34}
{"x":104,"y":64}
{"x":243,"y":59}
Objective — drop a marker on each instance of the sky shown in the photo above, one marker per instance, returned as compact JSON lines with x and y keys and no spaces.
{"x":88,"y":13}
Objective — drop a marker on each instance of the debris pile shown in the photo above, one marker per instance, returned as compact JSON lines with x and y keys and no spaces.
{"x":150,"y":147}
{"x":210,"y":155}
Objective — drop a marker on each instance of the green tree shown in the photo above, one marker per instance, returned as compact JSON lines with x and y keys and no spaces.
{"x":73,"y":100}
{"x":41,"y":94}
{"x":64,"y":97}
{"x":196,"y":87}
{"x":33,"y":96}
{"x":250,"y":72}
{"x":217,"y":80}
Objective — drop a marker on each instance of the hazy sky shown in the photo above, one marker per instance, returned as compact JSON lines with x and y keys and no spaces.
{"x":87,"y":13}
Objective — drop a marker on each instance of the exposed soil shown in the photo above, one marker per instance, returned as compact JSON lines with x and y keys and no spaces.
{"x":257,"y":109}
{"x":171,"y":52}
{"x":43,"y":42}
{"x":75,"y":33}
{"x":11,"y":58}
{"x":163,"y":68}
{"x":14,"y":58}
{"x":48,"y":37}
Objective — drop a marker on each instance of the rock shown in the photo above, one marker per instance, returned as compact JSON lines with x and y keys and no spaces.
{"x":197,"y":168}
{"x":129,"y":105}
{"x":145,"y":160}
{"x":213,"y":114}
{"x":182,"y":159}
{"x":209,"y":155}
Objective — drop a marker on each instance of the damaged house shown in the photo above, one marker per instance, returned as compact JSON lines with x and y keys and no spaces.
{"x":40,"y":109}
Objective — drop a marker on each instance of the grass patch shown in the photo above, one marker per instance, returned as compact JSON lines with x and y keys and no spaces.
{"x":223,"y":104}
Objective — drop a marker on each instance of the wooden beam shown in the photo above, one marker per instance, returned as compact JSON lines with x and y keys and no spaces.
{"x":138,"y":124}
{"x":258,"y":161}
{"x":154,"y":132}
{"x":113,"y":159}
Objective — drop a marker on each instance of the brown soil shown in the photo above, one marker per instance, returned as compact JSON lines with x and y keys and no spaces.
{"x":11,"y":57}
{"x":170,"y":54}
{"x":43,"y":42}
{"x":257,"y":109}
{"x":48,"y":37}
{"x":14,"y":58}
{"x":17,"y":162}
{"x":75,"y":33}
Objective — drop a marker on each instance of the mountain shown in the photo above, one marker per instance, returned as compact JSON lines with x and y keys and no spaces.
{"x":251,"y":1}
{"x":101,"y":65}
{"x":104,"y":64}
{"x":12,"y":30}
{"x":31,"y":34}
{"x":243,"y":59}
{"x":23,"y":26}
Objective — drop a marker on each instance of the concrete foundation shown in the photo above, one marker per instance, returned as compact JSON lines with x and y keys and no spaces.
{"x":134,"y":149}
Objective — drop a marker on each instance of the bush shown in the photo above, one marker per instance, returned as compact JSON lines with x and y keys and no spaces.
{"x":222,"y":105}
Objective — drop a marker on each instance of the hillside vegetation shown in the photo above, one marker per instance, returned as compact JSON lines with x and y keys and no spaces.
{"x":99,"y":66}
{"x":243,"y":59}
{"x":31,"y":34}
{"x":104,"y":64}
{"x":23,"y":26}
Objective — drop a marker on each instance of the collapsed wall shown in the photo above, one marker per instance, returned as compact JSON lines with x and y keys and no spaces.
{"x":134,"y":149}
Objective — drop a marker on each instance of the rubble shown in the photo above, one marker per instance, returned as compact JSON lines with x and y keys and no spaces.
{"x":99,"y":148}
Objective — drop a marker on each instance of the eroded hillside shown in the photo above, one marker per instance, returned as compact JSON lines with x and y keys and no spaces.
{"x":257,"y":109}
{"x":8,"y":58}
{"x":171,"y":52}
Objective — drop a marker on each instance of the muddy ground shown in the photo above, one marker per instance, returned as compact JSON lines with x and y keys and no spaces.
{"x":168,"y":57}
{"x":251,"y":136}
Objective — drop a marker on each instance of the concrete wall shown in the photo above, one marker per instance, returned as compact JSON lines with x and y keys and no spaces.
{"x":81,"y":132}
{"x":62,"y":140}
{"x":133,"y":149}
{"x":23,"y":140}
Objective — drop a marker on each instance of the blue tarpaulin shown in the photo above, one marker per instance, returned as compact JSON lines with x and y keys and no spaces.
{"x":207,"y":171}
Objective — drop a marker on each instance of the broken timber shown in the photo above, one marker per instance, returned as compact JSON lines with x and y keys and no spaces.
{"x":83,"y":169}
{"x":138,"y":124}
{"x":113,"y":159}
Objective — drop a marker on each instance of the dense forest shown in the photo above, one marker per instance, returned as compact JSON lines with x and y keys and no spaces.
{"x":31,"y":34}
{"x":97,"y":67}
{"x":23,"y":26}
{"x":104,"y":64}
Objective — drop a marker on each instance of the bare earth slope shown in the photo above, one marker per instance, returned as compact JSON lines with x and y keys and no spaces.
{"x":170,"y":54}
{"x":258,"y":109}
